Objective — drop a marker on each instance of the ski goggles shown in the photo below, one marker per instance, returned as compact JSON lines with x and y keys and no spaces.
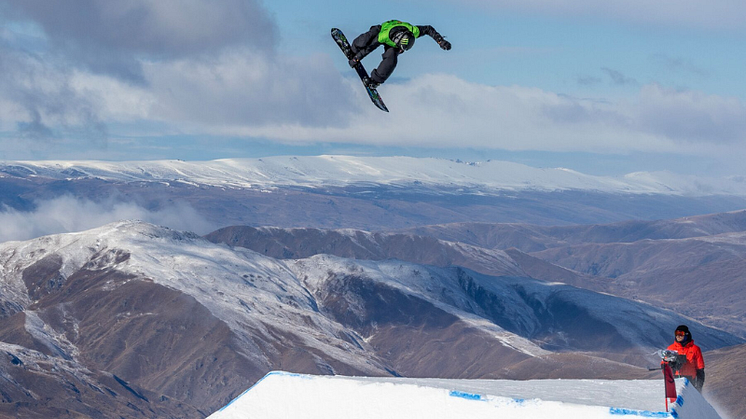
{"x":680,"y":333}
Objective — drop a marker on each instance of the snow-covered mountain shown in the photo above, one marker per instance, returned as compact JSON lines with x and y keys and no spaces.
{"x":367,"y":193}
{"x":488,"y":177}
{"x":175,"y":320}
{"x":668,"y":263}
{"x":297,"y":243}
{"x":532,"y":238}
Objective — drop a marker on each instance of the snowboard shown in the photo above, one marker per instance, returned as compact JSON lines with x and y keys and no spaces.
{"x":344,"y":45}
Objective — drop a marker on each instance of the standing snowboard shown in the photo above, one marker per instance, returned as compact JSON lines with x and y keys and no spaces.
{"x":344,"y":45}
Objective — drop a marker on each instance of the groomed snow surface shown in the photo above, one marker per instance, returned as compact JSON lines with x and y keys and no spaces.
{"x":287,"y":395}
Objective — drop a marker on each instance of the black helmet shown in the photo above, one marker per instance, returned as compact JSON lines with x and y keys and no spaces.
{"x":685,"y":331}
{"x":404,"y":40}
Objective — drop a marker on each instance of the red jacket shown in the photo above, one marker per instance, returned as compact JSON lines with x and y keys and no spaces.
{"x":694,"y":360}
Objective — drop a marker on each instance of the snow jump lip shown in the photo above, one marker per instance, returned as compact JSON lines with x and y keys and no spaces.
{"x":284,"y":394}
{"x":289,"y":374}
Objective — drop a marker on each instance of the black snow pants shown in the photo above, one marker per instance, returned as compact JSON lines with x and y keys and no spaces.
{"x":366,"y":43}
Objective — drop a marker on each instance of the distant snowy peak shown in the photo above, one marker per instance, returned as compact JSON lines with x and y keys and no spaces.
{"x":340,"y":171}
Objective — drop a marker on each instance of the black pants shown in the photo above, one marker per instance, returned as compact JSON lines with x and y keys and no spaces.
{"x":388,"y":64}
{"x":367,"y":42}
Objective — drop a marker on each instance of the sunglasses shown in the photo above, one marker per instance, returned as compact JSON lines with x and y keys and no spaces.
{"x":680,"y":333}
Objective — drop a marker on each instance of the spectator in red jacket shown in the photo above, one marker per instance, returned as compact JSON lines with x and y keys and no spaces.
{"x":689,"y":362}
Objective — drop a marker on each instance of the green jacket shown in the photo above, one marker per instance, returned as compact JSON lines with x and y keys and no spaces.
{"x":386,"y":27}
{"x":380,"y":35}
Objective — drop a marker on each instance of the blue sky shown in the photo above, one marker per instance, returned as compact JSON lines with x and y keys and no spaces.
{"x":600,"y":87}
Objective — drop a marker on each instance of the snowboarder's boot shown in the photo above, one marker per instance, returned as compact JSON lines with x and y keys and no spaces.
{"x":371,"y":83}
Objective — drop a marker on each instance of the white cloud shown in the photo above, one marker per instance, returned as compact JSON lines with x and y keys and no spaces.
{"x":47,"y":101}
{"x":236,"y":87}
{"x":110,"y":37}
{"x":68,"y":214}
{"x":306,"y":100}
{"x":692,"y":117}
{"x":441,"y":111}
{"x":71,"y":69}
{"x":241,"y":87}
{"x":38,"y":101}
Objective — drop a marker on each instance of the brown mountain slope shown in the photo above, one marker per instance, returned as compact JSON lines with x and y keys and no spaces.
{"x":182,"y":325}
{"x":298,"y":243}
{"x":534,"y":238}
{"x":686,"y":275}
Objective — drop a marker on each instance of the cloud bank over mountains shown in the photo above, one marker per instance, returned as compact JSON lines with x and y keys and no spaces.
{"x":69,"y":214}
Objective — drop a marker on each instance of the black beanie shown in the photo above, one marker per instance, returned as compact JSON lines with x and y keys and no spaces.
{"x":687,"y":334}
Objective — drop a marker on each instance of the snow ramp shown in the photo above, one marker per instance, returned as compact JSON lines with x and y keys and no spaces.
{"x":288,"y":395}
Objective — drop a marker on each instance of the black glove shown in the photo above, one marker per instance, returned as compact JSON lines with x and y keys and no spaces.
{"x":699,"y":381}
{"x":445,"y":45}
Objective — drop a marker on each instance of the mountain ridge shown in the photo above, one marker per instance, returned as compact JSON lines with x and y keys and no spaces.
{"x":333,"y":192}
{"x":622,"y":259}
{"x":178,"y":318}
{"x":488,"y":177}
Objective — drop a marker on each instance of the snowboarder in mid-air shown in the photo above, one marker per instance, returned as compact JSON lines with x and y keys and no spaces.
{"x":396,"y":37}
